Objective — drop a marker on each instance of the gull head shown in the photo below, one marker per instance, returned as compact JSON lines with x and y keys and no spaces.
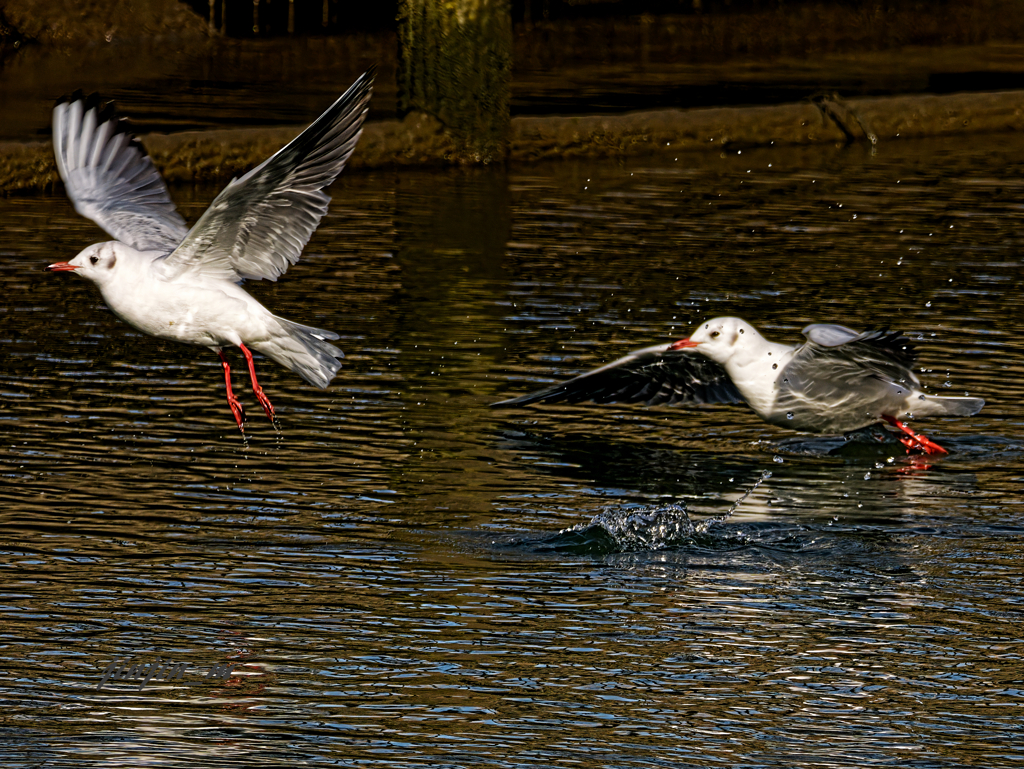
{"x":721,"y":338}
{"x":98,"y":263}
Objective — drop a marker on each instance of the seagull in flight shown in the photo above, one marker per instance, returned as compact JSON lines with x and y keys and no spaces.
{"x":837,"y":381}
{"x":182,"y":284}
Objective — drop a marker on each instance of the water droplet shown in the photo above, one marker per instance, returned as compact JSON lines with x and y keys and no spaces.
{"x":778,"y":459}
{"x":789,"y":415}
{"x":775,"y":365}
{"x":867,"y":476}
{"x":859,"y":505}
{"x":927,"y":304}
{"x":879,"y":466}
{"x":890,"y":460}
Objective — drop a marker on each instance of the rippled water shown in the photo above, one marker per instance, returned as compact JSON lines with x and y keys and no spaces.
{"x":386,"y":574}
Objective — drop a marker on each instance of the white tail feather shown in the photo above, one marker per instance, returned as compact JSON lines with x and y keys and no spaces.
{"x":941,"y":405}
{"x":304,"y":350}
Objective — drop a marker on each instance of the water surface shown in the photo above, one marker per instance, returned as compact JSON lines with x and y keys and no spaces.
{"x":385,"y":573}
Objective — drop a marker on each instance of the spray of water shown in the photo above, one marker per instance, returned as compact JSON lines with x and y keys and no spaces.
{"x":703,"y":526}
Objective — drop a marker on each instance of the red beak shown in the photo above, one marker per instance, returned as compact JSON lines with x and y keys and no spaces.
{"x":683,"y":344}
{"x":61,"y":267}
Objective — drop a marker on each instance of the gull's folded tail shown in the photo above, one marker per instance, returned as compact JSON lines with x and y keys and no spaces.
{"x":944,"y":405}
{"x":306,"y":351}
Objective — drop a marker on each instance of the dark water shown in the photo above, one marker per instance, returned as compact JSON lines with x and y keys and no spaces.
{"x":386,"y":574}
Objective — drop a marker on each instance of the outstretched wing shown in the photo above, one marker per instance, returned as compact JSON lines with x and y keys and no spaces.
{"x":258,"y":225}
{"x":110,"y":178}
{"x":886,"y":354}
{"x":653,"y":375}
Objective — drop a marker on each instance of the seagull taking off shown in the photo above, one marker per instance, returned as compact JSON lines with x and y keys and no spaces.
{"x":837,"y":381}
{"x":173,"y":282}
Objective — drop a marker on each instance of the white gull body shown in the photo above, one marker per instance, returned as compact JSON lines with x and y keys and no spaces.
{"x":182,"y":284}
{"x":838,"y":381}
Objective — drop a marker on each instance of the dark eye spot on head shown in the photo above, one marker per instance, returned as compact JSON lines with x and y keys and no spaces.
{"x":94,"y":259}
{"x":714,"y":334}
{"x":741,"y":330}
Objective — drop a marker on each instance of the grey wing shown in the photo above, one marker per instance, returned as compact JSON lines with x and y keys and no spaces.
{"x":653,"y":375}
{"x":258,"y":225}
{"x":827,"y":335}
{"x":880,"y":353}
{"x":110,"y":178}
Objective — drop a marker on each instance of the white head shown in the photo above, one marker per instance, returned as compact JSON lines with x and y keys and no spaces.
{"x":98,"y":262}
{"x":721,"y":338}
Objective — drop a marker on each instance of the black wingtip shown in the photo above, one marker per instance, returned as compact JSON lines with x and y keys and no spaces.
{"x":511,"y":402}
{"x":364,"y":83}
{"x":547,"y":394}
{"x":90,"y":100}
{"x":74,"y":96}
{"x":553,"y":394}
{"x":93,"y":102}
{"x":899,"y":346}
{"x":106,"y":112}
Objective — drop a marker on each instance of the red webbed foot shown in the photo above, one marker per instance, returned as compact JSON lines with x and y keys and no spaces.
{"x":233,"y":402}
{"x":268,"y":408}
{"x":913,"y":440}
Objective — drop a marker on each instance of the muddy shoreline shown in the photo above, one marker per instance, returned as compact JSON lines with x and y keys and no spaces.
{"x":219,"y":155}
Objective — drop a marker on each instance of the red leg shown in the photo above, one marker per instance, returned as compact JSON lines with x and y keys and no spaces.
{"x":914,"y":440}
{"x":260,"y":396}
{"x":233,"y":402}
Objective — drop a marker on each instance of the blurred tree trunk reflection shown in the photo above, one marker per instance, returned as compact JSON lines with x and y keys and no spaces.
{"x":451,"y":236}
{"x":455,"y":63}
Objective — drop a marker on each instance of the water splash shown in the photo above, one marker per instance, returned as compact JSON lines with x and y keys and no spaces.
{"x":638,"y":529}
{"x":626,"y":530}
